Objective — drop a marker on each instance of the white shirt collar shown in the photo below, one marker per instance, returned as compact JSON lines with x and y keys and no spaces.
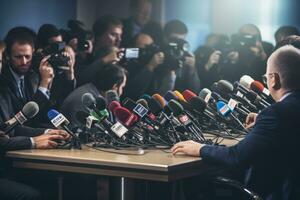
{"x":16,"y":76}
{"x":285,"y":96}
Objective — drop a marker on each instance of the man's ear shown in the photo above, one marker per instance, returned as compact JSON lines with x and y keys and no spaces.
{"x":276,"y":82}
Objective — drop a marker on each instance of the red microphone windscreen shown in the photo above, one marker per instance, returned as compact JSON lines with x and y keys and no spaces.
{"x":257,"y":87}
{"x":124,"y":116}
{"x":188,"y":94}
{"x":160,"y":99}
{"x":113,"y":105}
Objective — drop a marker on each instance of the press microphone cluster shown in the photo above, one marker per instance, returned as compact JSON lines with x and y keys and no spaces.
{"x":163,"y":120}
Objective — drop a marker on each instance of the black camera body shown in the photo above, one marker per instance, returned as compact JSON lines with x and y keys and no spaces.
{"x":77,"y":30}
{"x":174,"y":51}
{"x":57,"y":59}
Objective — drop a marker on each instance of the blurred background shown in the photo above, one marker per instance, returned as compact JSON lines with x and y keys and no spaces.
{"x":201,"y":16}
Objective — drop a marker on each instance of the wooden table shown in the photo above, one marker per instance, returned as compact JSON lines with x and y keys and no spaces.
{"x":153,"y":165}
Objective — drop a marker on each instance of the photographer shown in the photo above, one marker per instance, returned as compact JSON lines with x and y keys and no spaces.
{"x":81,"y":41}
{"x":209,"y":57}
{"x":179,"y":73}
{"x":141,"y":79}
{"x":107,"y":31}
{"x":61,"y":59}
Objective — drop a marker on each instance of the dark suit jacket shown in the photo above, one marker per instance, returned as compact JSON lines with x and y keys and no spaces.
{"x":270,"y":152}
{"x":31,"y":81}
{"x":60,"y":89}
{"x":23,"y":133}
{"x":73,"y":103}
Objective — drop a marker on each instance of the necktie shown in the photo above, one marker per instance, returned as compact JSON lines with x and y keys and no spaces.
{"x":21,"y":88}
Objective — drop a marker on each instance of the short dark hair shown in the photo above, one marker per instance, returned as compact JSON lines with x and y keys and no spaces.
{"x":20,"y":34}
{"x":46,"y":32}
{"x":104,"y":22}
{"x":108,"y":75}
{"x":175,"y":26}
{"x":285,"y":31}
{"x":293,"y":40}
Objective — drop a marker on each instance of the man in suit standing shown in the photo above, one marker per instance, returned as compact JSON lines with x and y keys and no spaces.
{"x":269,"y":152}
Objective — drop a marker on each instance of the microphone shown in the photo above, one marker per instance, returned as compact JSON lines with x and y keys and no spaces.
{"x":259,"y":88}
{"x":89,"y":102}
{"x":113,"y":105}
{"x":179,"y":96}
{"x":188,"y":94}
{"x":170,"y":95}
{"x":227,"y":89}
{"x":59,"y":121}
{"x":146,"y":97}
{"x":143,"y":102}
{"x":112,"y":95}
{"x":187,"y":122}
{"x":160,"y":99}
{"x":126,"y":117}
{"x":225,"y":110}
{"x":28,"y":111}
{"x":246,"y":81}
{"x":251,"y":96}
{"x":205,"y":94}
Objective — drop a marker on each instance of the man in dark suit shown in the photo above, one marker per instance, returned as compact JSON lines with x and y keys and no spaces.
{"x":269,"y":152}
{"x":22,"y":82}
{"x":108,"y":77}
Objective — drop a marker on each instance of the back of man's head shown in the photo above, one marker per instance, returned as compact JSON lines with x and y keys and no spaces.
{"x":45,"y":33}
{"x":175,"y":27}
{"x":286,"y":61}
{"x":293,"y":40}
{"x":285,"y":31}
{"x":20,"y":34}
{"x":107,"y":76}
{"x":103,"y":24}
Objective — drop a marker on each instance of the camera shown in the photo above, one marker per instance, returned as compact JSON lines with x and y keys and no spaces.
{"x":77,"y":30}
{"x":243,"y":40}
{"x":175,"y":51}
{"x":57,"y":59}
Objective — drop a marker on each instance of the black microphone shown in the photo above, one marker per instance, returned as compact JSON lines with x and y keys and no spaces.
{"x":227,"y":89}
{"x":250,"y":95}
{"x":186,"y":120}
{"x":111,"y":95}
{"x":29,"y":110}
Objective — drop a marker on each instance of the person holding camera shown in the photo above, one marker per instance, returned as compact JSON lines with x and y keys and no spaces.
{"x":141,"y":79}
{"x":23,"y":83}
{"x":211,"y":57}
{"x":180,"y":72}
{"x":107,"y":31}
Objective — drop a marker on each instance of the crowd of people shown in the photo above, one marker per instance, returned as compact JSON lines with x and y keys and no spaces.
{"x":54,"y":67}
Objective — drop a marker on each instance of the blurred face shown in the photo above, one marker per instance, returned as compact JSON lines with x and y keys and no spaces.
{"x":21,"y":57}
{"x":111,"y":38}
{"x":143,"y":40}
{"x":143,"y":12}
{"x":56,"y":39}
{"x":119,"y":89}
